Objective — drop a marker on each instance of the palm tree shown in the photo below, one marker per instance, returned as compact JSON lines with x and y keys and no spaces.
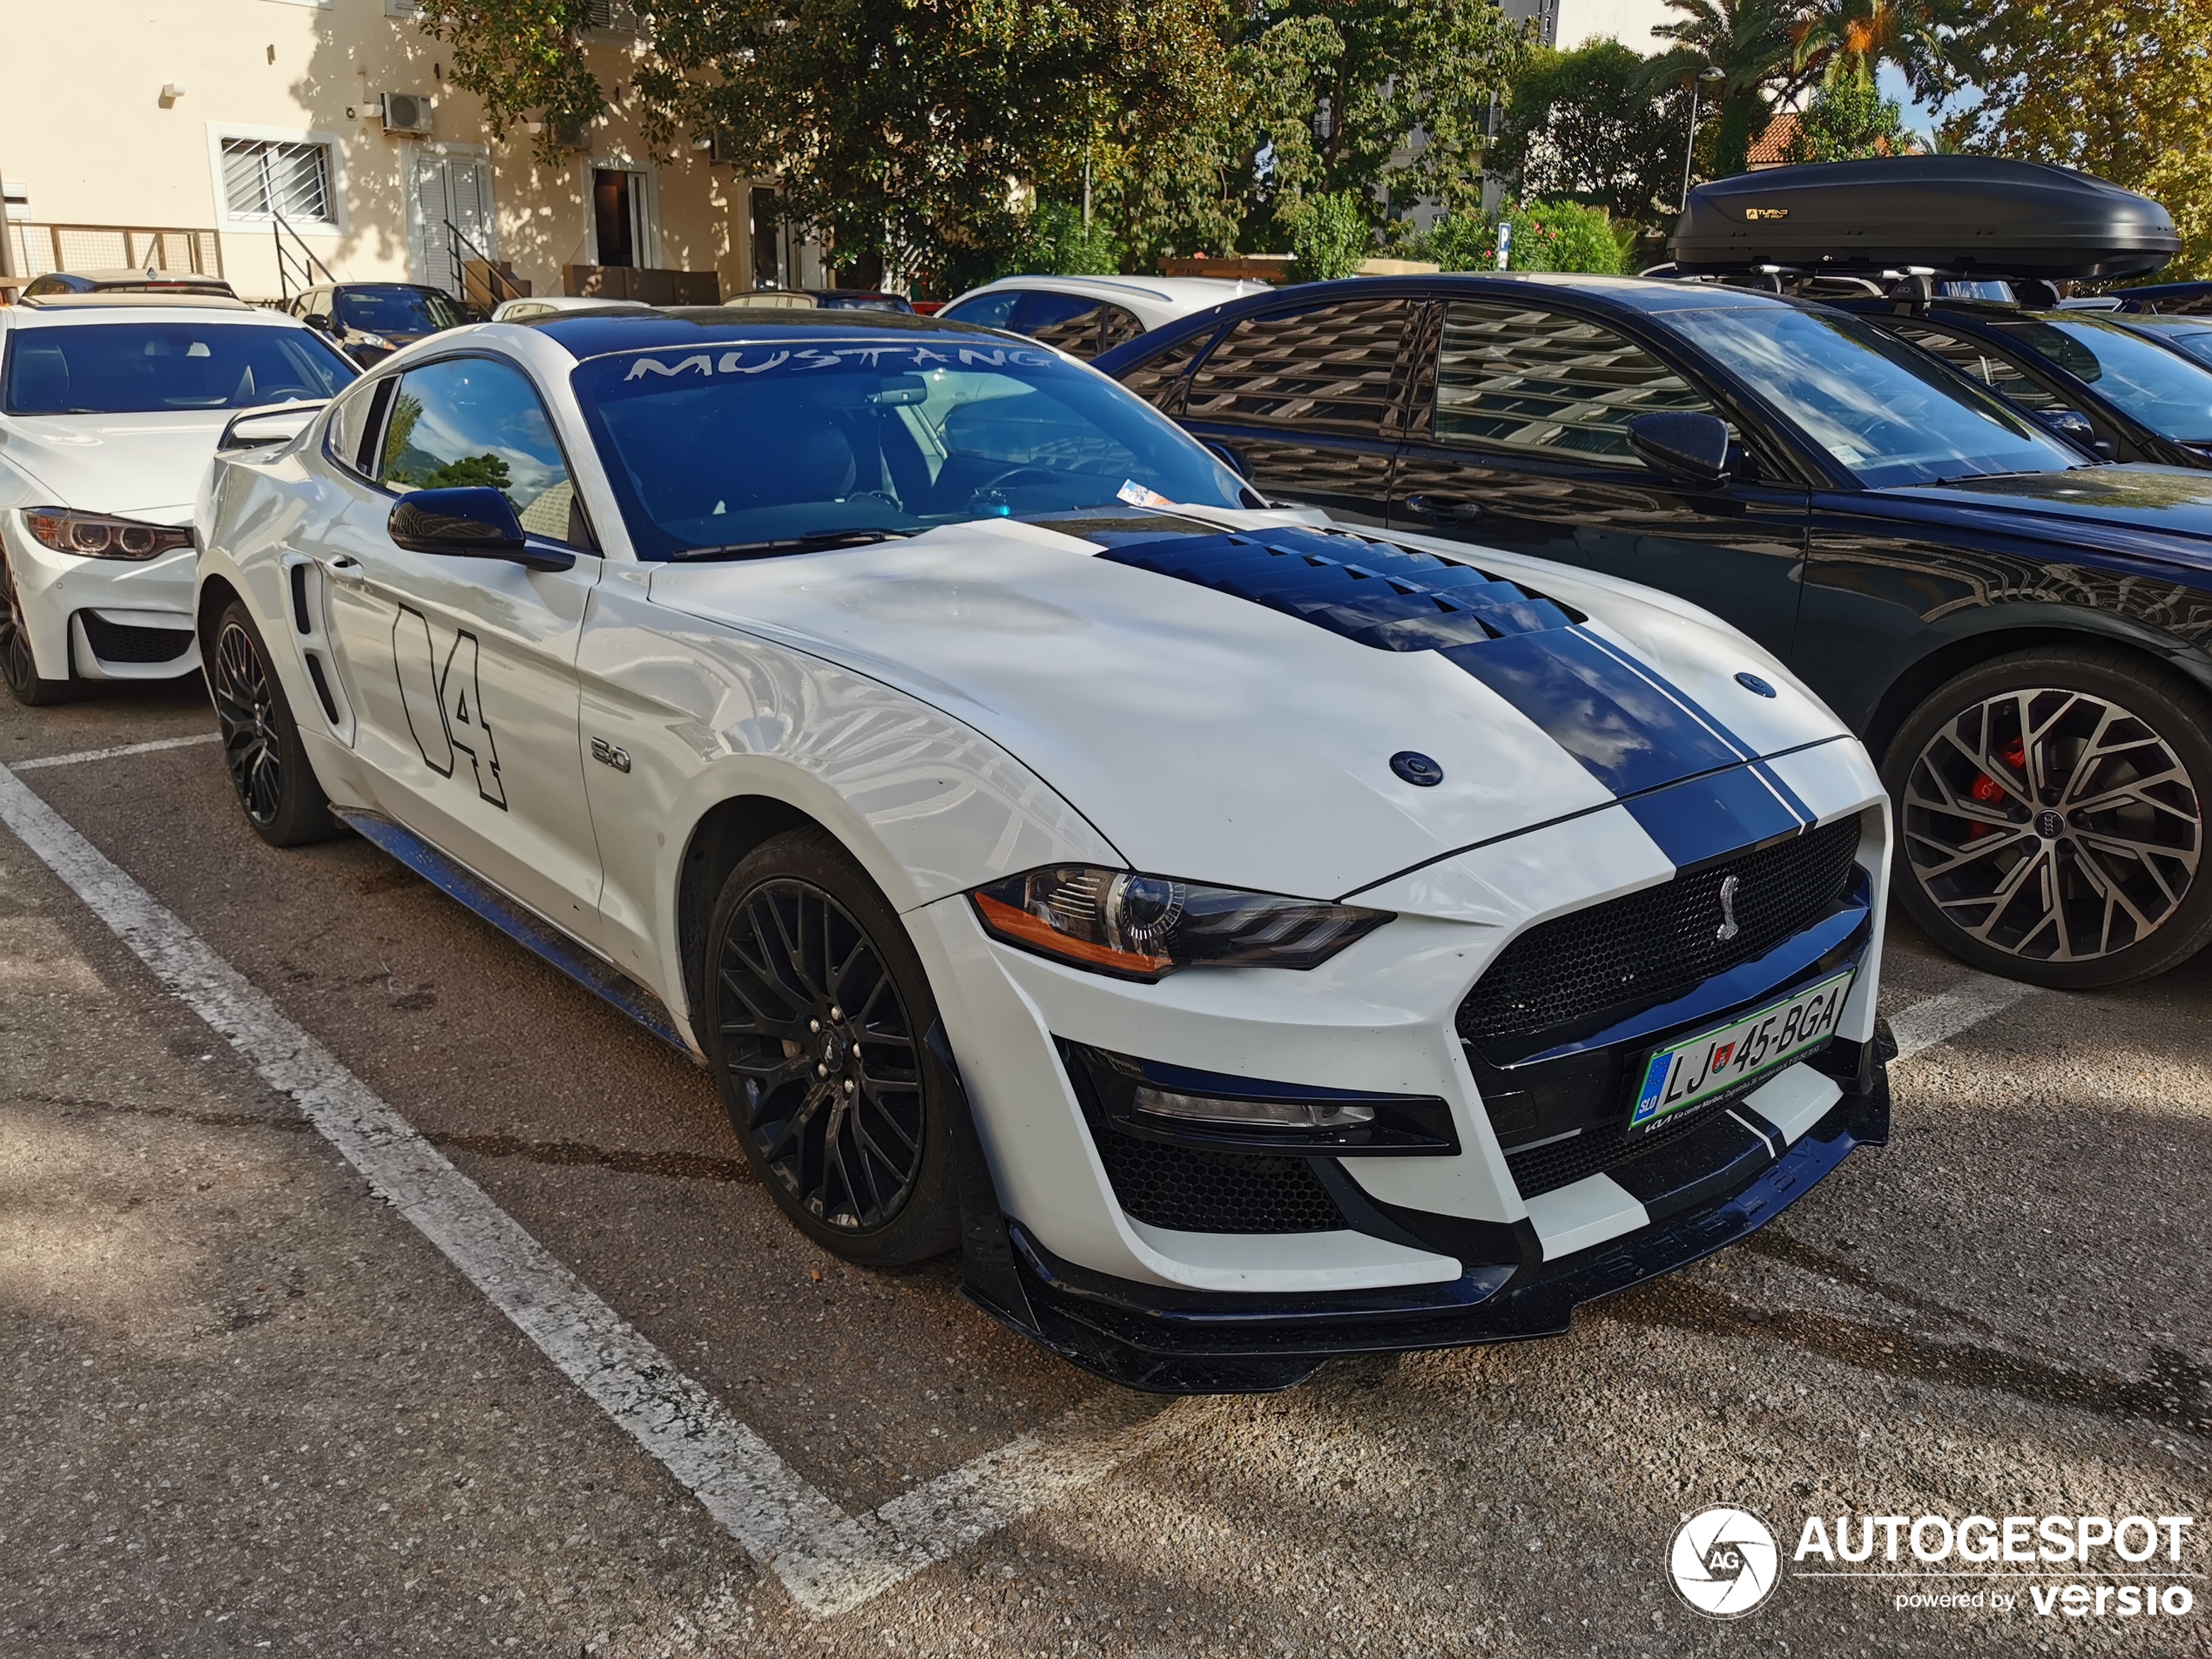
{"x":1847,"y":40}
{"x":1754,"y":45}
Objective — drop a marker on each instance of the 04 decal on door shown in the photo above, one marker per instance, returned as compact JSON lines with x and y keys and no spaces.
{"x":444,"y":702}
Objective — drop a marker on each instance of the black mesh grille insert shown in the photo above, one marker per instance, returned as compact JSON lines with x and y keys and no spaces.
{"x":1609,"y":961}
{"x":1606,"y":1146}
{"x":117,"y":642}
{"x":1200,"y":1190}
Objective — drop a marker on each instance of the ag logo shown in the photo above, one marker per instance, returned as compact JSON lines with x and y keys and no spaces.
{"x":1724,"y":1562}
{"x":444,"y":702}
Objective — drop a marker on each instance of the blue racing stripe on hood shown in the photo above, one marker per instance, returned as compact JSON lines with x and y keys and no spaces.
{"x":1633,"y":730}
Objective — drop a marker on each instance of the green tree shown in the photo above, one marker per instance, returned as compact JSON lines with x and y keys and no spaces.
{"x":1849,"y":40}
{"x":1330,"y":234}
{"x":1849,"y":121}
{"x":2119,"y":88}
{"x":484,"y":471}
{"x":1586,"y":124}
{"x":1753,"y":45}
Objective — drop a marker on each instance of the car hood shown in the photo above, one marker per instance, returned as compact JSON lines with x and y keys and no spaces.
{"x":2172,"y":501}
{"x":140,"y":466}
{"x":1217,"y":736}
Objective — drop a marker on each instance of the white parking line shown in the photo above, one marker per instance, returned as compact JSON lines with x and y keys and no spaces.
{"x":1945,"y":1016}
{"x":84,"y":755}
{"x":828,"y":1561}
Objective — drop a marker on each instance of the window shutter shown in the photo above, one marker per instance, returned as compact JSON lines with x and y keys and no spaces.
{"x":1329,"y":369}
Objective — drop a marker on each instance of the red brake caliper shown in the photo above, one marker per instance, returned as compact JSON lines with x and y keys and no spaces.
{"x":1989,"y":791}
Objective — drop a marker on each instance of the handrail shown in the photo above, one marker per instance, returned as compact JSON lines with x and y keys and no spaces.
{"x":494,"y":279}
{"x":299,"y":256}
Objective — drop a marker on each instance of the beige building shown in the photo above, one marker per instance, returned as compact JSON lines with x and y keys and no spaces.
{"x":239,"y":137}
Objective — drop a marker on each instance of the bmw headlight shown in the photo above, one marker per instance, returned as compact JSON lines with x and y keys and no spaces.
{"x":1141,"y":926}
{"x":95,"y":535}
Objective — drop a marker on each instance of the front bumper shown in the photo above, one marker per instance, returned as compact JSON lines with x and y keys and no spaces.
{"x":103,"y":619}
{"x":1171,"y":1342}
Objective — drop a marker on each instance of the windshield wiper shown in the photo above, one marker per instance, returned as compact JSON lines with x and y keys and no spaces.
{"x":813,"y":541}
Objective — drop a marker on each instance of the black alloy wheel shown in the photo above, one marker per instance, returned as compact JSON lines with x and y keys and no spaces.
{"x":17,"y":666}
{"x":261,"y":748}
{"x":817,"y":1011}
{"x":2050,"y":809}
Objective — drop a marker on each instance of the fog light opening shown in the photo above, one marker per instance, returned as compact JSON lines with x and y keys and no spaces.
{"x":1253,"y":1114}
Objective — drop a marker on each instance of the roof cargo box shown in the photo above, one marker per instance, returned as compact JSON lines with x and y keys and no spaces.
{"x":1966,"y":215}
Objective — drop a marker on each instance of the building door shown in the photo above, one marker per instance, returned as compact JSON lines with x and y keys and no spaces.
{"x":452,"y":214}
{"x":623,"y":220}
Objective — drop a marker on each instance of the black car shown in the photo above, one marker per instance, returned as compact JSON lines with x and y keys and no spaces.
{"x":2136,"y":400}
{"x":370,"y":320}
{"x":2018,"y":630}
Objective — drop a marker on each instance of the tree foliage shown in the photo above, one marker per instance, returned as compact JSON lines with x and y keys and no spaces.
{"x":1849,"y":121}
{"x":1752,"y":45}
{"x":1587,"y":124}
{"x":2119,"y":88}
{"x":1331,"y":235}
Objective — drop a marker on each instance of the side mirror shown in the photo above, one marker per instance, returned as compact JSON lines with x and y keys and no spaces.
{"x":2070,"y":424}
{"x":474,"y":522}
{"x":1691,"y":448}
{"x":320,"y":321}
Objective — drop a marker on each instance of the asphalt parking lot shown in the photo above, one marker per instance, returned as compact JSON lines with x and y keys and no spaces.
{"x":250,"y":1407}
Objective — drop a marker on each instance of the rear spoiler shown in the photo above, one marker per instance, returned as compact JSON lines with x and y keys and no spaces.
{"x":269,"y":424}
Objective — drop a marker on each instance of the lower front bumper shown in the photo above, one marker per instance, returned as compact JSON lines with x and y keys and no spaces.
{"x":1170,"y":1342}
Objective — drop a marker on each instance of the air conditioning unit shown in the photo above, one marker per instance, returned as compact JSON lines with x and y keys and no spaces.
{"x":407,"y":112}
{"x":573,"y":135}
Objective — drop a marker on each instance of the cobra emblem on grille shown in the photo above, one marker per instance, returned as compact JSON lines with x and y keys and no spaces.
{"x":1727,"y":929}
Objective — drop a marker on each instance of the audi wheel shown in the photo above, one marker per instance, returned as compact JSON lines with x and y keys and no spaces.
{"x":816,"y":1010}
{"x":261,"y":748}
{"x":2050,"y":811}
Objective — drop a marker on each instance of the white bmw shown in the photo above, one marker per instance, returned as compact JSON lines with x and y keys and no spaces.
{"x":1245,"y":941}
{"x":110,"y":405}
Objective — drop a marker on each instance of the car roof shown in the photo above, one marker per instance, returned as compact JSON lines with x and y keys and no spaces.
{"x":595,"y":334}
{"x":1168,"y":290}
{"x":165,"y":299}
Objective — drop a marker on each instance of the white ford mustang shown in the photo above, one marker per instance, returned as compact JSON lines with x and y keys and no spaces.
{"x":1245,"y":941}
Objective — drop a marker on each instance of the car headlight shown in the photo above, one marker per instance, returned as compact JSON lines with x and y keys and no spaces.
{"x":362,"y":337}
{"x":1141,"y":926}
{"x":93,"y":535}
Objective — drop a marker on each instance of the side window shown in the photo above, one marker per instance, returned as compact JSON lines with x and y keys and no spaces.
{"x":1992,"y":372}
{"x":989,"y":310}
{"x":1514,"y":378}
{"x":350,"y":419}
{"x":1118,"y":328}
{"x":1067,"y":323}
{"x":470,"y":421}
{"x":1327,"y":369}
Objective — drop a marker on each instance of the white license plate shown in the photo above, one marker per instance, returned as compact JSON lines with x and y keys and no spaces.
{"x":1715,"y":1060}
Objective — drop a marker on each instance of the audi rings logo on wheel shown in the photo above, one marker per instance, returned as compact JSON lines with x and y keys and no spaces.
{"x":1724,"y":1562}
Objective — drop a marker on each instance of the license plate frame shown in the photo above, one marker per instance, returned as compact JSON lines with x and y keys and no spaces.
{"x":1767,"y":1036}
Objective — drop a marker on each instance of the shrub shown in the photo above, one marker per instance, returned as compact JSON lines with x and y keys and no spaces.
{"x":1330,"y":235}
{"x":1546,"y":236}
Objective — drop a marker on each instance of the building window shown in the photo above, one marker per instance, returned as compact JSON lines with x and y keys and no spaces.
{"x":265,"y":179}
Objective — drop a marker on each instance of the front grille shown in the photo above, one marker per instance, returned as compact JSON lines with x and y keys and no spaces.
{"x":1579,"y":972}
{"x":1606,"y":1146}
{"x":1198,"y":1190}
{"x":120,"y":642}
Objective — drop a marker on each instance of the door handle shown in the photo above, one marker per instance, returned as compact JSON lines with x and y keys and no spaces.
{"x":1444,"y":510}
{"x":346,"y":572}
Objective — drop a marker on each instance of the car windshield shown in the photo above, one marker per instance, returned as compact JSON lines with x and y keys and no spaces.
{"x":1889,"y":412}
{"x":2182,"y":334}
{"x":738,"y":445}
{"x":141,"y":368}
{"x":2169,"y":394}
{"x":397,"y":310}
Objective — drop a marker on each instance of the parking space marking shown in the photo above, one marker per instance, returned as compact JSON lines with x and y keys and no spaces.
{"x":827,"y":1561}
{"x":84,"y":755}
{"x":1948,"y":1014}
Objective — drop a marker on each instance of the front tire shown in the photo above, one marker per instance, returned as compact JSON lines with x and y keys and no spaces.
{"x":816,"y":1011}
{"x":2050,"y":810}
{"x":17,"y":666}
{"x":268,"y":765}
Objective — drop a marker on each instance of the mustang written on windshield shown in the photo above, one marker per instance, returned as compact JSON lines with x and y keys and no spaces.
{"x":740,"y":447}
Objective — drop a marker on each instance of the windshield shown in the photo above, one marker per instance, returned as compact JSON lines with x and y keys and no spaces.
{"x":2178,"y":335}
{"x":397,"y":310}
{"x":737,"y":445}
{"x":1889,"y":412}
{"x":2168,"y":393}
{"x":141,"y":368}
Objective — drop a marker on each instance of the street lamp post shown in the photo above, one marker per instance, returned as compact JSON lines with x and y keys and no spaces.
{"x":1690,"y":146}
